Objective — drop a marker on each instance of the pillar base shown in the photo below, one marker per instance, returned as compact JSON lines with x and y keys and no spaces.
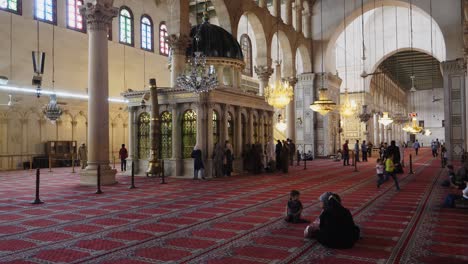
{"x":88,"y":177}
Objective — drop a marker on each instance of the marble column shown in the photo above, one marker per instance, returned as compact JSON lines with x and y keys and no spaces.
{"x":238,"y":132}
{"x":299,"y":16}
{"x":263,"y":73}
{"x":454,"y":73}
{"x":250,"y":134}
{"x":277,"y":9}
{"x":132,"y":130}
{"x":178,"y":46}
{"x":262,"y":3}
{"x":291,"y":112}
{"x":220,"y":74}
{"x":177,"y":140}
{"x":376,"y":130}
{"x":98,"y":15}
{"x":289,"y":16}
{"x":307,"y":25}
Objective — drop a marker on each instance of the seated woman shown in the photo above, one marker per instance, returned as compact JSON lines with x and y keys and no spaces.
{"x":335,"y":227}
{"x":338,"y":156}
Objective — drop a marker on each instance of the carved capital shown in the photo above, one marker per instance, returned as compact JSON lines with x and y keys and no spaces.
{"x":178,"y":44}
{"x":263,"y":72}
{"x":73,"y":123}
{"x":291,"y":80}
{"x":98,"y":14}
{"x":457,"y":66}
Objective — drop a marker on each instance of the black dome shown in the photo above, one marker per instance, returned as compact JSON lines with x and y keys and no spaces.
{"x":214,"y":41}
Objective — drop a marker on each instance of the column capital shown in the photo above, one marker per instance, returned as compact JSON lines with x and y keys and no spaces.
{"x":291,"y":80}
{"x":457,"y":66}
{"x":178,"y":43}
{"x":73,"y":123}
{"x":23,"y":121}
{"x":99,"y":14}
{"x":263,"y":72}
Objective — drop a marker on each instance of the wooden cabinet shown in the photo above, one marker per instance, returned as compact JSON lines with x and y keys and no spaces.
{"x":61,"y":152}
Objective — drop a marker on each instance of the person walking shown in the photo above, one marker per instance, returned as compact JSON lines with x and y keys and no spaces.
{"x":364,"y":150}
{"x":83,"y":155}
{"x":197,"y":163}
{"x":228,"y":158}
{"x":390,"y":170}
{"x":356,"y":151}
{"x":346,"y":153}
{"x":416,"y":146}
{"x":285,"y":157}
{"x":123,"y":155}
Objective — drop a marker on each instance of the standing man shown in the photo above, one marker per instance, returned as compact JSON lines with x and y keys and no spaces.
{"x":83,"y":155}
{"x":345,"y":154}
{"x":356,"y":150}
{"x":364,"y":150}
{"x":278,"y":150}
{"x":123,"y":155}
{"x":292,"y":151}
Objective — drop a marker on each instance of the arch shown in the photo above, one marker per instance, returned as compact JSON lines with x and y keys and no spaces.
{"x":126,"y":25}
{"x":163,"y":41}
{"x":147,"y":32}
{"x":143,"y":142}
{"x":165,"y":143}
{"x":256,"y":32}
{"x":46,"y":11}
{"x":419,"y":14}
{"x":13,"y":6}
{"x":75,"y":20}
{"x":285,"y":54}
{"x":189,"y":132}
{"x":302,"y":54}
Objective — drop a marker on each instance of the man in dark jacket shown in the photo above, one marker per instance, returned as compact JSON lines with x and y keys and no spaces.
{"x":278,"y":149}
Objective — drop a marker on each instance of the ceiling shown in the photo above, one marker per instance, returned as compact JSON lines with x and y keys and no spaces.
{"x":426,"y":69}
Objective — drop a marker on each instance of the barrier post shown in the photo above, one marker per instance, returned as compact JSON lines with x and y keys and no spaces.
{"x":73,"y":162}
{"x":30,"y":163}
{"x":411,"y":164}
{"x":99,"y":180}
{"x":133,"y":177}
{"x":163,"y":176}
{"x":38,"y":176}
{"x":50,"y":163}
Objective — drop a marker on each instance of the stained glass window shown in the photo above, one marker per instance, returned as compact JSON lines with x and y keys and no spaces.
{"x":166,"y":136}
{"x":144,"y":136}
{"x":189,"y":133}
{"x":163,"y":42}
{"x":255,"y":130}
{"x":74,"y":18}
{"x":246,"y":46}
{"x":230,"y":124}
{"x":215,"y":127}
{"x":126,"y":26}
{"x":146,"y":33}
{"x":46,"y":10}
{"x":13,"y":6}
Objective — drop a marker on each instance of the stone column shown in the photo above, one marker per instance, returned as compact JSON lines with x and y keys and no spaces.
{"x":307,"y":25}
{"x":132,"y":132}
{"x":262,"y":3}
{"x":455,"y":108}
{"x":263,"y":73}
{"x":291,"y":112}
{"x":376,"y":129}
{"x":261,"y":129}
{"x":24,"y":135}
{"x":277,"y":9}
{"x":235,"y":80}
{"x":238,"y":133}
{"x":177,"y":140}
{"x":178,"y":46}
{"x":220,"y":74}
{"x":289,"y":15}
{"x":299,"y":16}
{"x":98,"y":15}
{"x":250,"y":131}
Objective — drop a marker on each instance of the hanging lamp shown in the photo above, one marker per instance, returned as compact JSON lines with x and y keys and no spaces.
{"x":281,"y":123}
{"x":385,"y":119}
{"x":52,"y":110}
{"x":347,"y":109}
{"x":323,"y":105}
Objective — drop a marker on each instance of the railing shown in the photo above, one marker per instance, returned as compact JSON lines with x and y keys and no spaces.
{"x":15,"y":161}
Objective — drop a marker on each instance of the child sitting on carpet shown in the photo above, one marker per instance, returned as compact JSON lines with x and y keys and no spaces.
{"x":294,"y":208}
{"x":335,"y":226}
{"x":380,"y":172}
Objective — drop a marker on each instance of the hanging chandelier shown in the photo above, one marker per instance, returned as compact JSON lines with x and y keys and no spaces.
{"x":281,"y":124}
{"x":198,"y":77}
{"x":385,"y":119}
{"x":347,"y":108}
{"x":413,"y":126}
{"x":52,"y":110}
{"x":364,"y":116}
{"x":279,"y":94}
{"x":323,"y":105}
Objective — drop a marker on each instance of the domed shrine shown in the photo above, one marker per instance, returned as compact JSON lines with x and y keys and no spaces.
{"x":230,"y":112}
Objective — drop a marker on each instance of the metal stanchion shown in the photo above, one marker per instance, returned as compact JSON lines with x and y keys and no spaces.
{"x":411,"y":164}
{"x":73,"y":162}
{"x":133,"y":177}
{"x":163,"y":176}
{"x":30,"y":163}
{"x":50,"y":164}
{"x":38,"y":176}
{"x":99,"y":180}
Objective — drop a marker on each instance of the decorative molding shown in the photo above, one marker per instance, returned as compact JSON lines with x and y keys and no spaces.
{"x":263,"y":72}
{"x":457,"y":66}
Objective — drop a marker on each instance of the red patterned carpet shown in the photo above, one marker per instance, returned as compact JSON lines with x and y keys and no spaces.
{"x":229,"y":220}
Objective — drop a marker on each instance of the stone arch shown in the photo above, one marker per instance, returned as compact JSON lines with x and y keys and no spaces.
{"x":259,"y":38}
{"x":286,"y":53}
{"x":303,"y":55}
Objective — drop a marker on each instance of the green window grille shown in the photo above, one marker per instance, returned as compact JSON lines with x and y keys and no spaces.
{"x":13,"y":6}
{"x":215,"y":127}
{"x":189,"y":133}
{"x":126,"y":26}
{"x":144,"y":136}
{"x":166,"y":136}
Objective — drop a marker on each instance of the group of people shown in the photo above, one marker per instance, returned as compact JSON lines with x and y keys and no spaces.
{"x":83,"y":157}
{"x":457,"y":180}
{"x":363,"y":150}
{"x":388,"y":164}
{"x":284,"y":152}
{"x":334,"y":228}
{"x":223,"y":157}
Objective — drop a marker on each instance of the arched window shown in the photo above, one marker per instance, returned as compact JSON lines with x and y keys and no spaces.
{"x":126,"y":26}
{"x":13,"y":6}
{"x":144,"y":136}
{"x":189,"y":132}
{"x":230,"y":124}
{"x":146,"y":33}
{"x":163,"y":42}
{"x":46,"y":11}
{"x":215,"y":127}
{"x":74,"y":18}
{"x":246,"y":46}
{"x":165,"y":147}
